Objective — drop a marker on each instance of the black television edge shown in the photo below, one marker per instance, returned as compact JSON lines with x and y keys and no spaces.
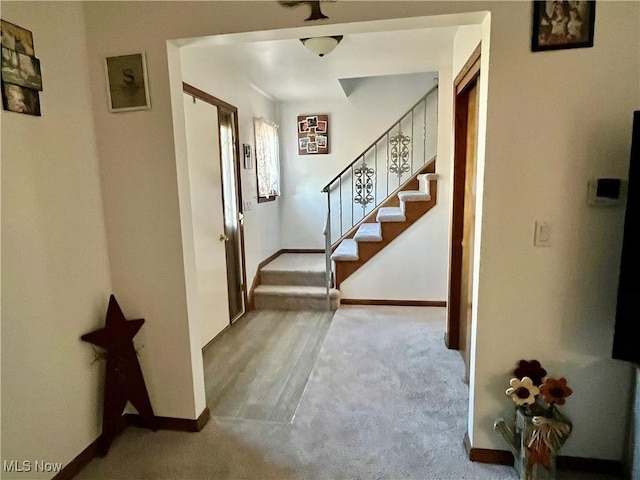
{"x":626,"y":344}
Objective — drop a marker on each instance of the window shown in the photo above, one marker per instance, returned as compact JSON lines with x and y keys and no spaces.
{"x":267,"y":159}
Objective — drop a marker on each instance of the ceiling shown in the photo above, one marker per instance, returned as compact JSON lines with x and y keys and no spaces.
{"x":285,"y":70}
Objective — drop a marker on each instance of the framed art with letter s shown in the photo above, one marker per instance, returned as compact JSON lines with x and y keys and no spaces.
{"x":127,"y":82}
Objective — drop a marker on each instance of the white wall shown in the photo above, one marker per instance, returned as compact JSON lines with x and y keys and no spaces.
{"x":55,"y":271}
{"x":139,"y":176}
{"x":464,"y":43}
{"x":413,"y":267}
{"x":354,"y":123}
{"x":546,"y":135}
{"x":262,"y":220}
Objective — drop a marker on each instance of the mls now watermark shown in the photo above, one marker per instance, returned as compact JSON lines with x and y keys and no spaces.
{"x":31,"y":466}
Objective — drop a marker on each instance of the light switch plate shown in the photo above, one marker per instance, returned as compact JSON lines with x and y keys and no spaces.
{"x":542,"y":235}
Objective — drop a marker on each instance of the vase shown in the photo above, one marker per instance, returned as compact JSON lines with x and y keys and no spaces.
{"x":535,"y":441}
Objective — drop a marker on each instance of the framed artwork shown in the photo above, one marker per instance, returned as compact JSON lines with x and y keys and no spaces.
{"x":21,"y":77}
{"x":560,"y":24}
{"x":17,"y":38}
{"x":313,"y":134}
{"x":127,"y":82}
{"x":21,"y":69}
{"x":20,"y":99}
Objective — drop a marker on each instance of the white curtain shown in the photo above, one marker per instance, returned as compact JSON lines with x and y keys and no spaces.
{"x":267,"y":158}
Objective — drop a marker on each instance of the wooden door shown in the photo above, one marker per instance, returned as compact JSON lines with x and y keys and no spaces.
{"x":468,"y":226}
{"x":232,"y":214}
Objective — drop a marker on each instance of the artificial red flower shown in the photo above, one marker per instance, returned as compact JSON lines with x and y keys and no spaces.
{"x":531,"y":369}
{"x":555,"y":391}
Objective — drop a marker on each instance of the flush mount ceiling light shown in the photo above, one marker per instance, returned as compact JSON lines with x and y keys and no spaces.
{"x":321,"y":45}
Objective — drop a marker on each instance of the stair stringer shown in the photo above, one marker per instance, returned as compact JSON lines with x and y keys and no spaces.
{"x":390,"y":230}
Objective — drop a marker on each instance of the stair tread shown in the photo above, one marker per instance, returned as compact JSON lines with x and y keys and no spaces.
{"x":390,"y":214}
{"x":369,"y":232}
{"x":428,"y":176}
{"x":347,"y":250}
{"x":414,"y":196}
{"x":297,"y":262}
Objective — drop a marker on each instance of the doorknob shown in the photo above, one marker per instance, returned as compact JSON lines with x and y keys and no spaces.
{"x":224,"y":238}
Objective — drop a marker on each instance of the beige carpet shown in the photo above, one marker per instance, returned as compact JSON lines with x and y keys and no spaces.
{"x":385,"y":400}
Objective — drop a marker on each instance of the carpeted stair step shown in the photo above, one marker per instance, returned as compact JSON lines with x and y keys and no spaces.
{"x":424,"y":180}
{"x":347,"y":250}
{"x":307,"y":269}
{"x":391,"y":214}
{"x":396,"y":214}
{"x":281,"y":297}
{"x":369,"y":232}
{"x":423,"y":194}
{"x":413,"y":196}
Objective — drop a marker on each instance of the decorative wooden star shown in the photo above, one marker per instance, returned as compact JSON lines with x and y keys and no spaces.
{"x":124,"y":380}
{"x":316,"y":13}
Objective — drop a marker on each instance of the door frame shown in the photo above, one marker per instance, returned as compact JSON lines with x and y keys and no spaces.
{"x":222,"y":105}
{"x":469,"y":73}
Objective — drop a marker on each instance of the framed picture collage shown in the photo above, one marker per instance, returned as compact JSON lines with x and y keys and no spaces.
{"x":21,"y":77}
{"x":313,"y":134}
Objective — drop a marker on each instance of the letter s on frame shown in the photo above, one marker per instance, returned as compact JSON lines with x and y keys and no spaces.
{"x":128,"y":76}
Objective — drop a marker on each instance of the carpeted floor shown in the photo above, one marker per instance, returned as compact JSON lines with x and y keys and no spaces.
{"x":385,"y":400}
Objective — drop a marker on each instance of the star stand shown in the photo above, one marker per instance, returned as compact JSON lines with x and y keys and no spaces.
{"x":123,"y":380}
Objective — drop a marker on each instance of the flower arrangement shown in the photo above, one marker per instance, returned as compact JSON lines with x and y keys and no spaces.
{"x":540,"y":428}
{"x":531,"y":383}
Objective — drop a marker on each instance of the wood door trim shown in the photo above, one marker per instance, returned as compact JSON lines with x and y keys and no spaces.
{"x":469,"y":71}
{"x":239,"y":208}
{"x":469,"y":74}
{"x":206,"y":97}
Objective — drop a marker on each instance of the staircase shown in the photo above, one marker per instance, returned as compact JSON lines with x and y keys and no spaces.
{"x":382,"y":192}
{"x":375,"y":198}
{"x":385,"y":223}
{"x":295,"y":281}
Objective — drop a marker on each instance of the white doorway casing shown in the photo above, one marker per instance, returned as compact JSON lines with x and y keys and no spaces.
{"x":220,"y":76}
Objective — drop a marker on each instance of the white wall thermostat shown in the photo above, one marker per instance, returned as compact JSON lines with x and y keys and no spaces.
{"x":607,"y":191}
